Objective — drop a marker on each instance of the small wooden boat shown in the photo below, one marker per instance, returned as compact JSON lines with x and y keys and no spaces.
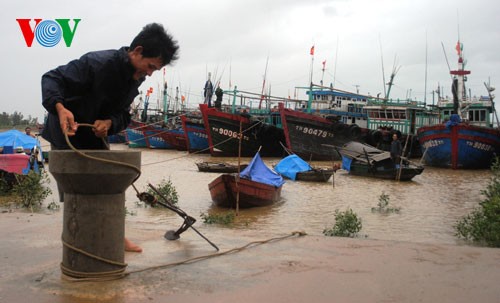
{"x":257,"y":185}
{"x":315,"y":175}
{"x":364,"y":160}
{"x":219,"y":167}
{"x":294,"y":168}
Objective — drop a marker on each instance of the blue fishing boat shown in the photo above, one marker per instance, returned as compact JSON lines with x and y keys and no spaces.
{"x":195,"y":133}
{"x":467,"y":138}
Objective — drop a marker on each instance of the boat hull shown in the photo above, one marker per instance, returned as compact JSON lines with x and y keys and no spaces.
{"x":316,"y":175}
{"x":460,"y":146}
{"x":311,"y":136}
{"x":219,"y":167}
{"x":223,"y":128}
{"x":224,"y":192}
{"x":384,"y":172}
{"x":195,"y":134}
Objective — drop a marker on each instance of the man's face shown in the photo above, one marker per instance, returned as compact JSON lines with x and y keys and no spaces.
{"x":143,"y":66}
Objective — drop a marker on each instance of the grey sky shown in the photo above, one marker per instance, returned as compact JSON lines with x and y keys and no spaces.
{"x":232,"y":39}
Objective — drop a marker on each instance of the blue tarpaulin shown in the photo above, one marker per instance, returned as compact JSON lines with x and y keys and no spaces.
{"x":454,"y":120}
{"x":16,"y":139}
{"x":346,"y":163}
{"x":291,"y":165}
{"x":259,"y":172}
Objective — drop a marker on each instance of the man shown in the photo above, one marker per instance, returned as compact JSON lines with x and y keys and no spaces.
{"x":396,"y":149}
{"x":27,"y":131}
{"x":98,"y":89}
{"x":218,"y":100}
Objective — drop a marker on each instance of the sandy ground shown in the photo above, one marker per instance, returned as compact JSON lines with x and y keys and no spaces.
{"x":295,"y":269}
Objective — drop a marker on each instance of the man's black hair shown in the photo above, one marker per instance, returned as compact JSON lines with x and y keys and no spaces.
{"x":156,"y":42}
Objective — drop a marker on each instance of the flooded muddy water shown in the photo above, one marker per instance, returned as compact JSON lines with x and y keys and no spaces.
{"x":429,"y":205}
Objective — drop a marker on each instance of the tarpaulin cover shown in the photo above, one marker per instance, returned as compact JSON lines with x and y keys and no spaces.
{"x":16,"y":138}
{"x":346,"y":163}
{"x":291,"y":165}
{"x":15,"y":163}
{"x":259,"y":172}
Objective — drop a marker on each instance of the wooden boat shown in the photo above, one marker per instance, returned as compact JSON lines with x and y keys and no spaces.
{"x":294,"y":168}
{"x":468,"y":140}
{"x":257,"y":185}
{"x":219,"y":167}
{"x":364,"y":160}
{"x":316,"y":175}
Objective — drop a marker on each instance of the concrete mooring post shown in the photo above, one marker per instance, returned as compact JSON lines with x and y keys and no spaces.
{"x":94,"y":209}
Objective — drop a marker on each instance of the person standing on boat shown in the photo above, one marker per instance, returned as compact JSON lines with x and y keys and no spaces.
{"x":396,"y":149}
{"x":218,"y":97}
{"x":208,"y":91}
{"x":27,"y":131}
{"x":98,"y":89}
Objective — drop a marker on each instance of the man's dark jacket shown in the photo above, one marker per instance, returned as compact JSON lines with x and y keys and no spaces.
{"x":98,"y":86}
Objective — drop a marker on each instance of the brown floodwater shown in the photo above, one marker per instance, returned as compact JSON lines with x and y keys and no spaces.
{"x":429,"y":205}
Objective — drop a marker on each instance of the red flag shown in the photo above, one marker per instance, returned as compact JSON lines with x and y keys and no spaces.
{"x":324,"y":62}
{"x":458,"y":47}
{"x":312,"y":50}
{"x":183,"y":98}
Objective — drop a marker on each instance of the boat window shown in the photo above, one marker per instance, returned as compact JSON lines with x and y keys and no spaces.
{"x":482,"y":115}
{"x":389,"y":114}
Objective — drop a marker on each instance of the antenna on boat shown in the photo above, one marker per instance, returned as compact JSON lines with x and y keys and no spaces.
{"x":263,"y":83}
{"x":489,"y":89}
{"x":395,"y":70}
{"x":425,"y":78}
{"x":446,"y":57}
{"x":336,"y":58}
{"x":382,"y":60}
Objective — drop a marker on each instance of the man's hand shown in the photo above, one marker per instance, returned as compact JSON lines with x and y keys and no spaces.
{"x":101,"y":127}
{"x":66,"y":120}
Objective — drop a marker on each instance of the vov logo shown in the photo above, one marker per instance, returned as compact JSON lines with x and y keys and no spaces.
{"x":48,"y":33}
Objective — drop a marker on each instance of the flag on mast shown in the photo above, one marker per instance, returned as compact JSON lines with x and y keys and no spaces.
{"x":312,"y":50}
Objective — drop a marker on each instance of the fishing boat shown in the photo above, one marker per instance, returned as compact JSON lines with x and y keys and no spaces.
{"x":466,"y":138}
{"x":294,"y":168}
{"x":223,"y":128}
{"x":194,"y":132}
{"x":365,"y":160}
{"x":308,"y":134}
{"x":257,"y":185}
{"x":219,"y":167}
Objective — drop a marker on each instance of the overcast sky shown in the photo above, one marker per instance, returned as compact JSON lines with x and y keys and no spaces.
{"x":233,"y":39}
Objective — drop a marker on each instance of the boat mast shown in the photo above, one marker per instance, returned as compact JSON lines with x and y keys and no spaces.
{"x":263,"y":84}
{"x":165,"y":99}
{"x":382,"y":60}
{"x":459,"y":79}
{"x":309,"y":101}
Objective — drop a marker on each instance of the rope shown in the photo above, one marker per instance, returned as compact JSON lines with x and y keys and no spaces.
{"x":107,"y":276}
{"x":77,"y":276}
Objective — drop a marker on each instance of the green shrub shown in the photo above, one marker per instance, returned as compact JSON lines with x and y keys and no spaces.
{"x":482,"y":225}
{"x":383,"y":202}
{"x":30,"y":190}
{"x":167,"y":190}
{"x":223,"y":218}
{"x":347,"y":224}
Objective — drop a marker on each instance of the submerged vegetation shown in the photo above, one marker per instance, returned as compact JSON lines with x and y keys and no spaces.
{"x":222,"y":218}
{"x":167,"y":190}
{"x":347,"y":224}
{"x":482,"y":225}
{"x":383,"y":205}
